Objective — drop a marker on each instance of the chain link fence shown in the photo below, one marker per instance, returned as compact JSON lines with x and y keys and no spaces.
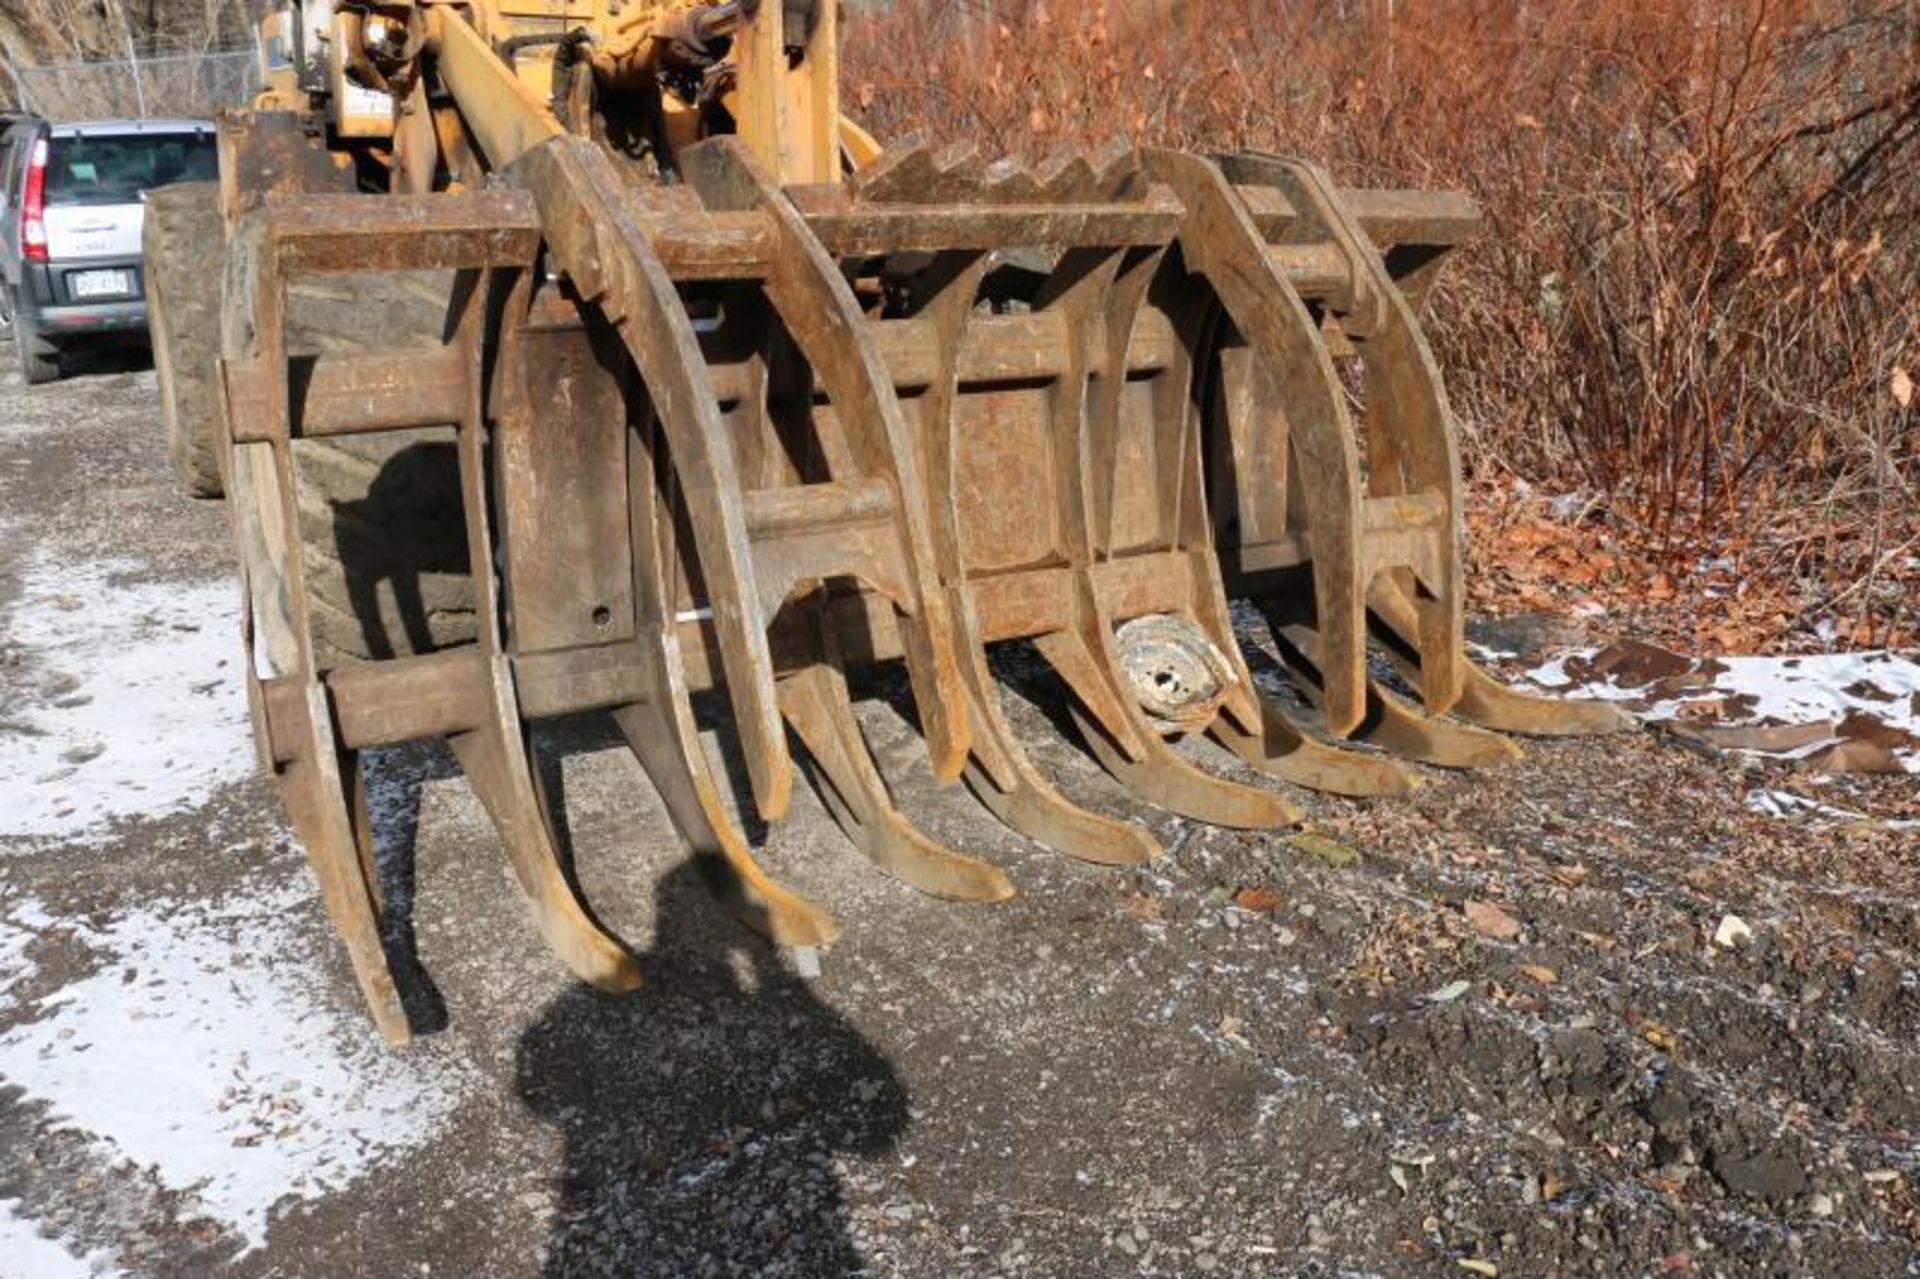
{"x":178,"y":84}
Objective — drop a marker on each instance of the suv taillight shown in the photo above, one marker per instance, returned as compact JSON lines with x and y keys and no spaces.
{"x":33,"y":206}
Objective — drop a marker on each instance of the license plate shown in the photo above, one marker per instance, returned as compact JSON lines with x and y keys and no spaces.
{"x":99,"y":284}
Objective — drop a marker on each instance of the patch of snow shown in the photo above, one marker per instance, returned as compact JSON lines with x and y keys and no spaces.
{"x":18,"y":927}
{"x":205,"y":1047}
{"x":1798,"y":689}
{"x":135,"y":706}
{"x":1779,"y":690}
{"x":1554,"y":676}
{"x":1569,"y":506}
{"x":1781,"y":803}
{"x":26,"y":1254}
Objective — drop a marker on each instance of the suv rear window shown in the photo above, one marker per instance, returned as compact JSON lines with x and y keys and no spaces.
{"x":115,"y":170}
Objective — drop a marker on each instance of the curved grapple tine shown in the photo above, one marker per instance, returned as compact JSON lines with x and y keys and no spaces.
{"x":1281,"y":750}
{"x":825,"y":321}
{"x":589,"y":223}
{"x":1146,"y":516}
{"x":1132,"y":750}
{"x":666,"y":742}
{"x":1019,"y":794}
{"x":1413,"y":503}
{"x":657,"y":719}
{"x":999,"y":771}
{"x":1484,"y":700}
{"x":1416,"y":608}
{"x":295,"y":730}
{"x":1392,"y":723}
{"x":310,"y":724}
{"x":816,"y":704}
{"x":496,"y":758}
{"x":1220,"y":242}
{"x":586,"y":214}
{"x":1282,"y":362}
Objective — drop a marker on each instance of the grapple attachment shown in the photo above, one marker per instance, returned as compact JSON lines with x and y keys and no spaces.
{"x":742,"y":435}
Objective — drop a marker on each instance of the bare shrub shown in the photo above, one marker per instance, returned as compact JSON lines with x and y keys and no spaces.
{"x":1699,"y":286}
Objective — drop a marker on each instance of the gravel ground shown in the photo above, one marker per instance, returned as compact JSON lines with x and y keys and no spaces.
{"x":1265,"y":1055}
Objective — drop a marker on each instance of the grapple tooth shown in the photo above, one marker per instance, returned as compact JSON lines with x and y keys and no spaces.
{"x":310,"y":723}
{"x":816,"y":704}
{"x":1392,"y":723}
{"x":1003,"y":777}
{"x":959,"y":170}
{"x":1117,"y":172}
{"x":999,"y":772}
{"x":918,"y":174}
{"x":899,"y":172}
{"x":1402,"y":728}
{"x":1487,"y":702}
{"x":1484,"y":700}
{"x":1293,"y":495}
{"x":1008,"y":181}
{"x":1059,"y":595}
{"x":1067,"y":176}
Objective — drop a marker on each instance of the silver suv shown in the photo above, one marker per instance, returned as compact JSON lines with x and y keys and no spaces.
{"x":72,"y":200}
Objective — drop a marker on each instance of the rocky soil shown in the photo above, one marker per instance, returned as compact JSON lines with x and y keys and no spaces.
{"x":1583,"y":1014}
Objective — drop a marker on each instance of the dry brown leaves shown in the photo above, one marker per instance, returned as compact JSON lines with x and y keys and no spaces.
{"x":1407,"y":944}
{"x":1258,"y":898}
{"x":1490,"y":921}
{"x":1532,"y":554}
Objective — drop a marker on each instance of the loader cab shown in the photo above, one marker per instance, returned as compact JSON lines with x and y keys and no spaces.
{"x":72,"y":204}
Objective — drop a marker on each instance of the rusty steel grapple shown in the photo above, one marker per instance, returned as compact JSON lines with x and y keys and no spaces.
{"x":716,"y":395}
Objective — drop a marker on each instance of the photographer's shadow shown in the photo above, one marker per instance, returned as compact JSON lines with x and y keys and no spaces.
{"x":702,"y":1115}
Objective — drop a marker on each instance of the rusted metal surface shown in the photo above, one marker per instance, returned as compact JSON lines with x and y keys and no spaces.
{"x":752,"y":429}
{"x":264,"y":152}
{"x":1177,"y":674}
{"x":314,"y":234}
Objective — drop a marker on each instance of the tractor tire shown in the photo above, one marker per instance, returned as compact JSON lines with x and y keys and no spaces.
{"x":382,"y":528}
{"x":184,"y":243}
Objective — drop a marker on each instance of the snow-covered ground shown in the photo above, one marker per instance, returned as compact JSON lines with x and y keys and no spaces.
{"x":197,"y":1041}
{"x":135,"y":708}
{"x":201,"y":1049}
{"x":27,"y":1254}
{"x":1864,"y":697}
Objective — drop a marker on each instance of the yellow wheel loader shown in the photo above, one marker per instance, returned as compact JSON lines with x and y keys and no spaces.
{"x":579,"y":355}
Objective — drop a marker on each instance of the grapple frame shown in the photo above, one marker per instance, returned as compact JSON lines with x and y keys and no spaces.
{"x":750,"y":431}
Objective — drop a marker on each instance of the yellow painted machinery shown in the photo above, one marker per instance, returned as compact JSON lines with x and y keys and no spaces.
{"x":579,"y":355}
